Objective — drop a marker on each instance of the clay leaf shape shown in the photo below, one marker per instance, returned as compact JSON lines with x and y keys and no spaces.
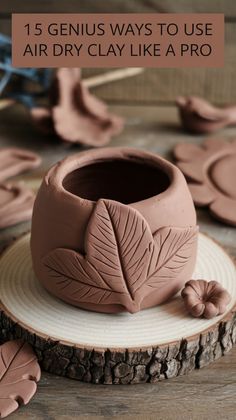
{"x":173,"y":249}
{"x":121,"y":255}
{"x":19,"y":372}
{"x":117,"y":247}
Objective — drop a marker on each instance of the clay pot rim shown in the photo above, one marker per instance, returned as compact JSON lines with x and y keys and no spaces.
{"x":59,"y":171}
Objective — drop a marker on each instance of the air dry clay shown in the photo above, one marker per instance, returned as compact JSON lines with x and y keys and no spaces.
{"x":114,"y":230}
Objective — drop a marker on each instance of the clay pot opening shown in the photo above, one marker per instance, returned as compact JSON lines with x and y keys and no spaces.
{"x":126,"y":181}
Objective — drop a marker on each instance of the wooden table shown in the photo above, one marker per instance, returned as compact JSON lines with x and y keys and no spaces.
{"x":208,"y":393}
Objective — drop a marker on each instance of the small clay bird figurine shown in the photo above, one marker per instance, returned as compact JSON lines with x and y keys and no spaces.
{"x":200,"y":116}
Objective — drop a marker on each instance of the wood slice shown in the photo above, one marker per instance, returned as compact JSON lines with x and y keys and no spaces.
{"x":154,"y":344}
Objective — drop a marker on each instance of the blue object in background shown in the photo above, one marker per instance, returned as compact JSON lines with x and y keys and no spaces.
{"x":42,"y":77}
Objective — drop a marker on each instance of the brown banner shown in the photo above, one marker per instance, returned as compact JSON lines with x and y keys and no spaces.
{"x":118,"y":40}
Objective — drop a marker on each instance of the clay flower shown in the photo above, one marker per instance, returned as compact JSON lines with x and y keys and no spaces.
{"x":210,"y":170}
{"x":207,"y":299}
{"x":200,"y":116}
{"x":76,"y":115}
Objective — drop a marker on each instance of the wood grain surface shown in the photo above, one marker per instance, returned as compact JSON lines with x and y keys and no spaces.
{"x":76,"y":345}
{"x":208,"y":393}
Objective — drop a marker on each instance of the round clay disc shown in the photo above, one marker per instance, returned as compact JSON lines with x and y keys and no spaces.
{"x":210,"y":171}
{"x":24,"y":297}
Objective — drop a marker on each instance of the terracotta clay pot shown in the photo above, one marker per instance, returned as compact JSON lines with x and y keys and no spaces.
{"x":114,"y":230}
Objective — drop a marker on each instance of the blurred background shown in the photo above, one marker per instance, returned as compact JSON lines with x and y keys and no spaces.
{"x":155,"y":86}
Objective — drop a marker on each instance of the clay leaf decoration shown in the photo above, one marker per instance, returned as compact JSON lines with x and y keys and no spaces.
{"x":19,"y":372}
{"x":173,"y":249}
{"x":121,"y":255}
{"x":117,"y":247}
